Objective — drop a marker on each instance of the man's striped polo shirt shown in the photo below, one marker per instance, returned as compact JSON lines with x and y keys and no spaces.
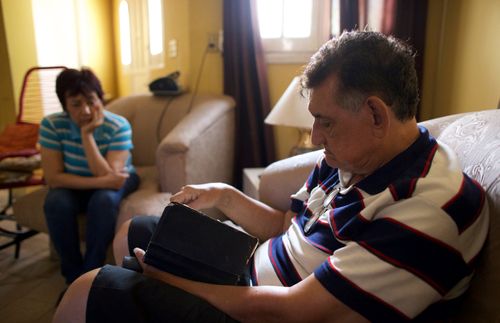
{"x":401,"y":239}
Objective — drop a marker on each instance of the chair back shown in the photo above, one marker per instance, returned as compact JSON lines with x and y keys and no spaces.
{"x":152,"y":118}
{"x":475,"y":139}
{"x":38,"y":96}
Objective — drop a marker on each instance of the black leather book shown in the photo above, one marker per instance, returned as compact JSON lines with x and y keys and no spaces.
{"x":192,"y":245}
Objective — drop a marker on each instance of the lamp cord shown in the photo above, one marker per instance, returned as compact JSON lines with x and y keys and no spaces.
{"x":195,"y":93}
{"x":158,"y":124}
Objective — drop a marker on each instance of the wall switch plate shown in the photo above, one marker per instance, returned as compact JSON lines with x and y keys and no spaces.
{"x":172,"y":48}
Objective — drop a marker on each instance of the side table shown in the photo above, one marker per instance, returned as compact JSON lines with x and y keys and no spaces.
{"x":251,"y":180}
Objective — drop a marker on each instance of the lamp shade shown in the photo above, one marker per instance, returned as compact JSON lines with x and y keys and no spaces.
{"x":291,"y":109}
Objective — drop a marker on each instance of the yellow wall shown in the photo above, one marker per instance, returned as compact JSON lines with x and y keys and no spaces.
{"x":205,"y":18}
{"x":96,"y":43}
{"x":176,"y":18}
{"x":279,"y":77}
{"x":463,"y":73}
{"x":122,"y":80}
{"x":20,"y":40}
{"x":189,"y":24}
{"x":7,"y":101}
{"x":461,"y":56}
{"x":461,"y":68}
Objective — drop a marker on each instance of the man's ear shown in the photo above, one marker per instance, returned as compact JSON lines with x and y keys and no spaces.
{"x":380,"y":115}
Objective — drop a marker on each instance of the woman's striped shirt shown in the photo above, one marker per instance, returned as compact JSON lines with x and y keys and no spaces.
{"x":59,"y":132}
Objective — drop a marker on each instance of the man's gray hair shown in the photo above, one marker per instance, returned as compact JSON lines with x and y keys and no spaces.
{"x":367,"y":63}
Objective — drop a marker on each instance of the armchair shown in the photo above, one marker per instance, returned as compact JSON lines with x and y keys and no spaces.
{"x":177,"y":141}
{"x":475,"y":137}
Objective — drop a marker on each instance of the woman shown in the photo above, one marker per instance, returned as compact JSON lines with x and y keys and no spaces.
{"x":87,"y":166}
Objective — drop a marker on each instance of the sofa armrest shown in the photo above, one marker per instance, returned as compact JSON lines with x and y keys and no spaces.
{"x":284,"y":177}
{"x":200,"y":148}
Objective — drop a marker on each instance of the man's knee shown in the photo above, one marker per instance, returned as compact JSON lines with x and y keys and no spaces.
{"x":140,"y":230}
{"x":74,"y":303}
{"x":135,"y":232}
{"x":120,"y":243}
{"x":123,"y":230}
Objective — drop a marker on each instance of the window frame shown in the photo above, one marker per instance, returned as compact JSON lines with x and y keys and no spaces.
{"x":141,"y":57}
{"x":299,"y":50}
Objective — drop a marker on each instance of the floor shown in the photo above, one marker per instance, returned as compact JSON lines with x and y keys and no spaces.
{"x":31,"y":284}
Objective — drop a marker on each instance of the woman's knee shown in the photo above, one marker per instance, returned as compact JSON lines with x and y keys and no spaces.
{"x":60,"y":202}
{"x":102,"y":212}
{"x":104,"y":201}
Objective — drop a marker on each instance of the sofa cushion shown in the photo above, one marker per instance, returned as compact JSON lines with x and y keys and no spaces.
{"x":28,"y":210}
{"x":147,"y":200}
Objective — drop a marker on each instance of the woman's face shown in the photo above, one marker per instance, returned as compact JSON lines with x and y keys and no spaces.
{"x":80,"y":107}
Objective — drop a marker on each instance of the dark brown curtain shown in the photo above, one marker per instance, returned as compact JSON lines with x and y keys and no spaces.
{"x":404,"y":19}
{"x":349,"y":14}
{"x":245,"y":79}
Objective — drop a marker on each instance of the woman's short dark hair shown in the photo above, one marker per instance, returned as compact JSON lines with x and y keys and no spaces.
{"x":367,"y":63}
{"x":71,"y":82}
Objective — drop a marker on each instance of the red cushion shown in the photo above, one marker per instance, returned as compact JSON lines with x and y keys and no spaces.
{"x":19,"y":139}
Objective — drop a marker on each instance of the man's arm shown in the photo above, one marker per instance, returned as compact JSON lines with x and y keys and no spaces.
{"x":307,"y":301}
{"x":255,"y":217}
{"x":53,"y":171}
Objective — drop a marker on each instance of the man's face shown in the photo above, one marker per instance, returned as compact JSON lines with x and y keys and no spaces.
{"x":80,"y":107}
{"x":346,"y":136}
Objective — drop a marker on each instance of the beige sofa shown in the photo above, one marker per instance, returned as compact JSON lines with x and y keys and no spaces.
{"x":177,"y":141}
{"x":475,"y":137}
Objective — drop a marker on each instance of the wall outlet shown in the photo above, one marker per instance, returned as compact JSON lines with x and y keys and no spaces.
{"x":213,"y":42}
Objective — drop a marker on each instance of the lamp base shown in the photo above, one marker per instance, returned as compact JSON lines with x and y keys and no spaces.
{"x":304,"y":145}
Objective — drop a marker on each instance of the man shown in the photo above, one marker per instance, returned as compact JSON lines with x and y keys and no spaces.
{"x":385,"y":226}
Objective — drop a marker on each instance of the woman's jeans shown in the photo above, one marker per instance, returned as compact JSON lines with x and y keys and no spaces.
{"x":62,"y":207}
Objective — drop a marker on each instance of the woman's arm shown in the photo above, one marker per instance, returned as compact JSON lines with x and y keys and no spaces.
{"x":53,"y":170}
{"x":100,"y":165}
{"x":117,"y":160}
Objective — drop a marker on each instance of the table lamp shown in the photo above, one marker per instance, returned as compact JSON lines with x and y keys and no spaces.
{"x":291,"y":111}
